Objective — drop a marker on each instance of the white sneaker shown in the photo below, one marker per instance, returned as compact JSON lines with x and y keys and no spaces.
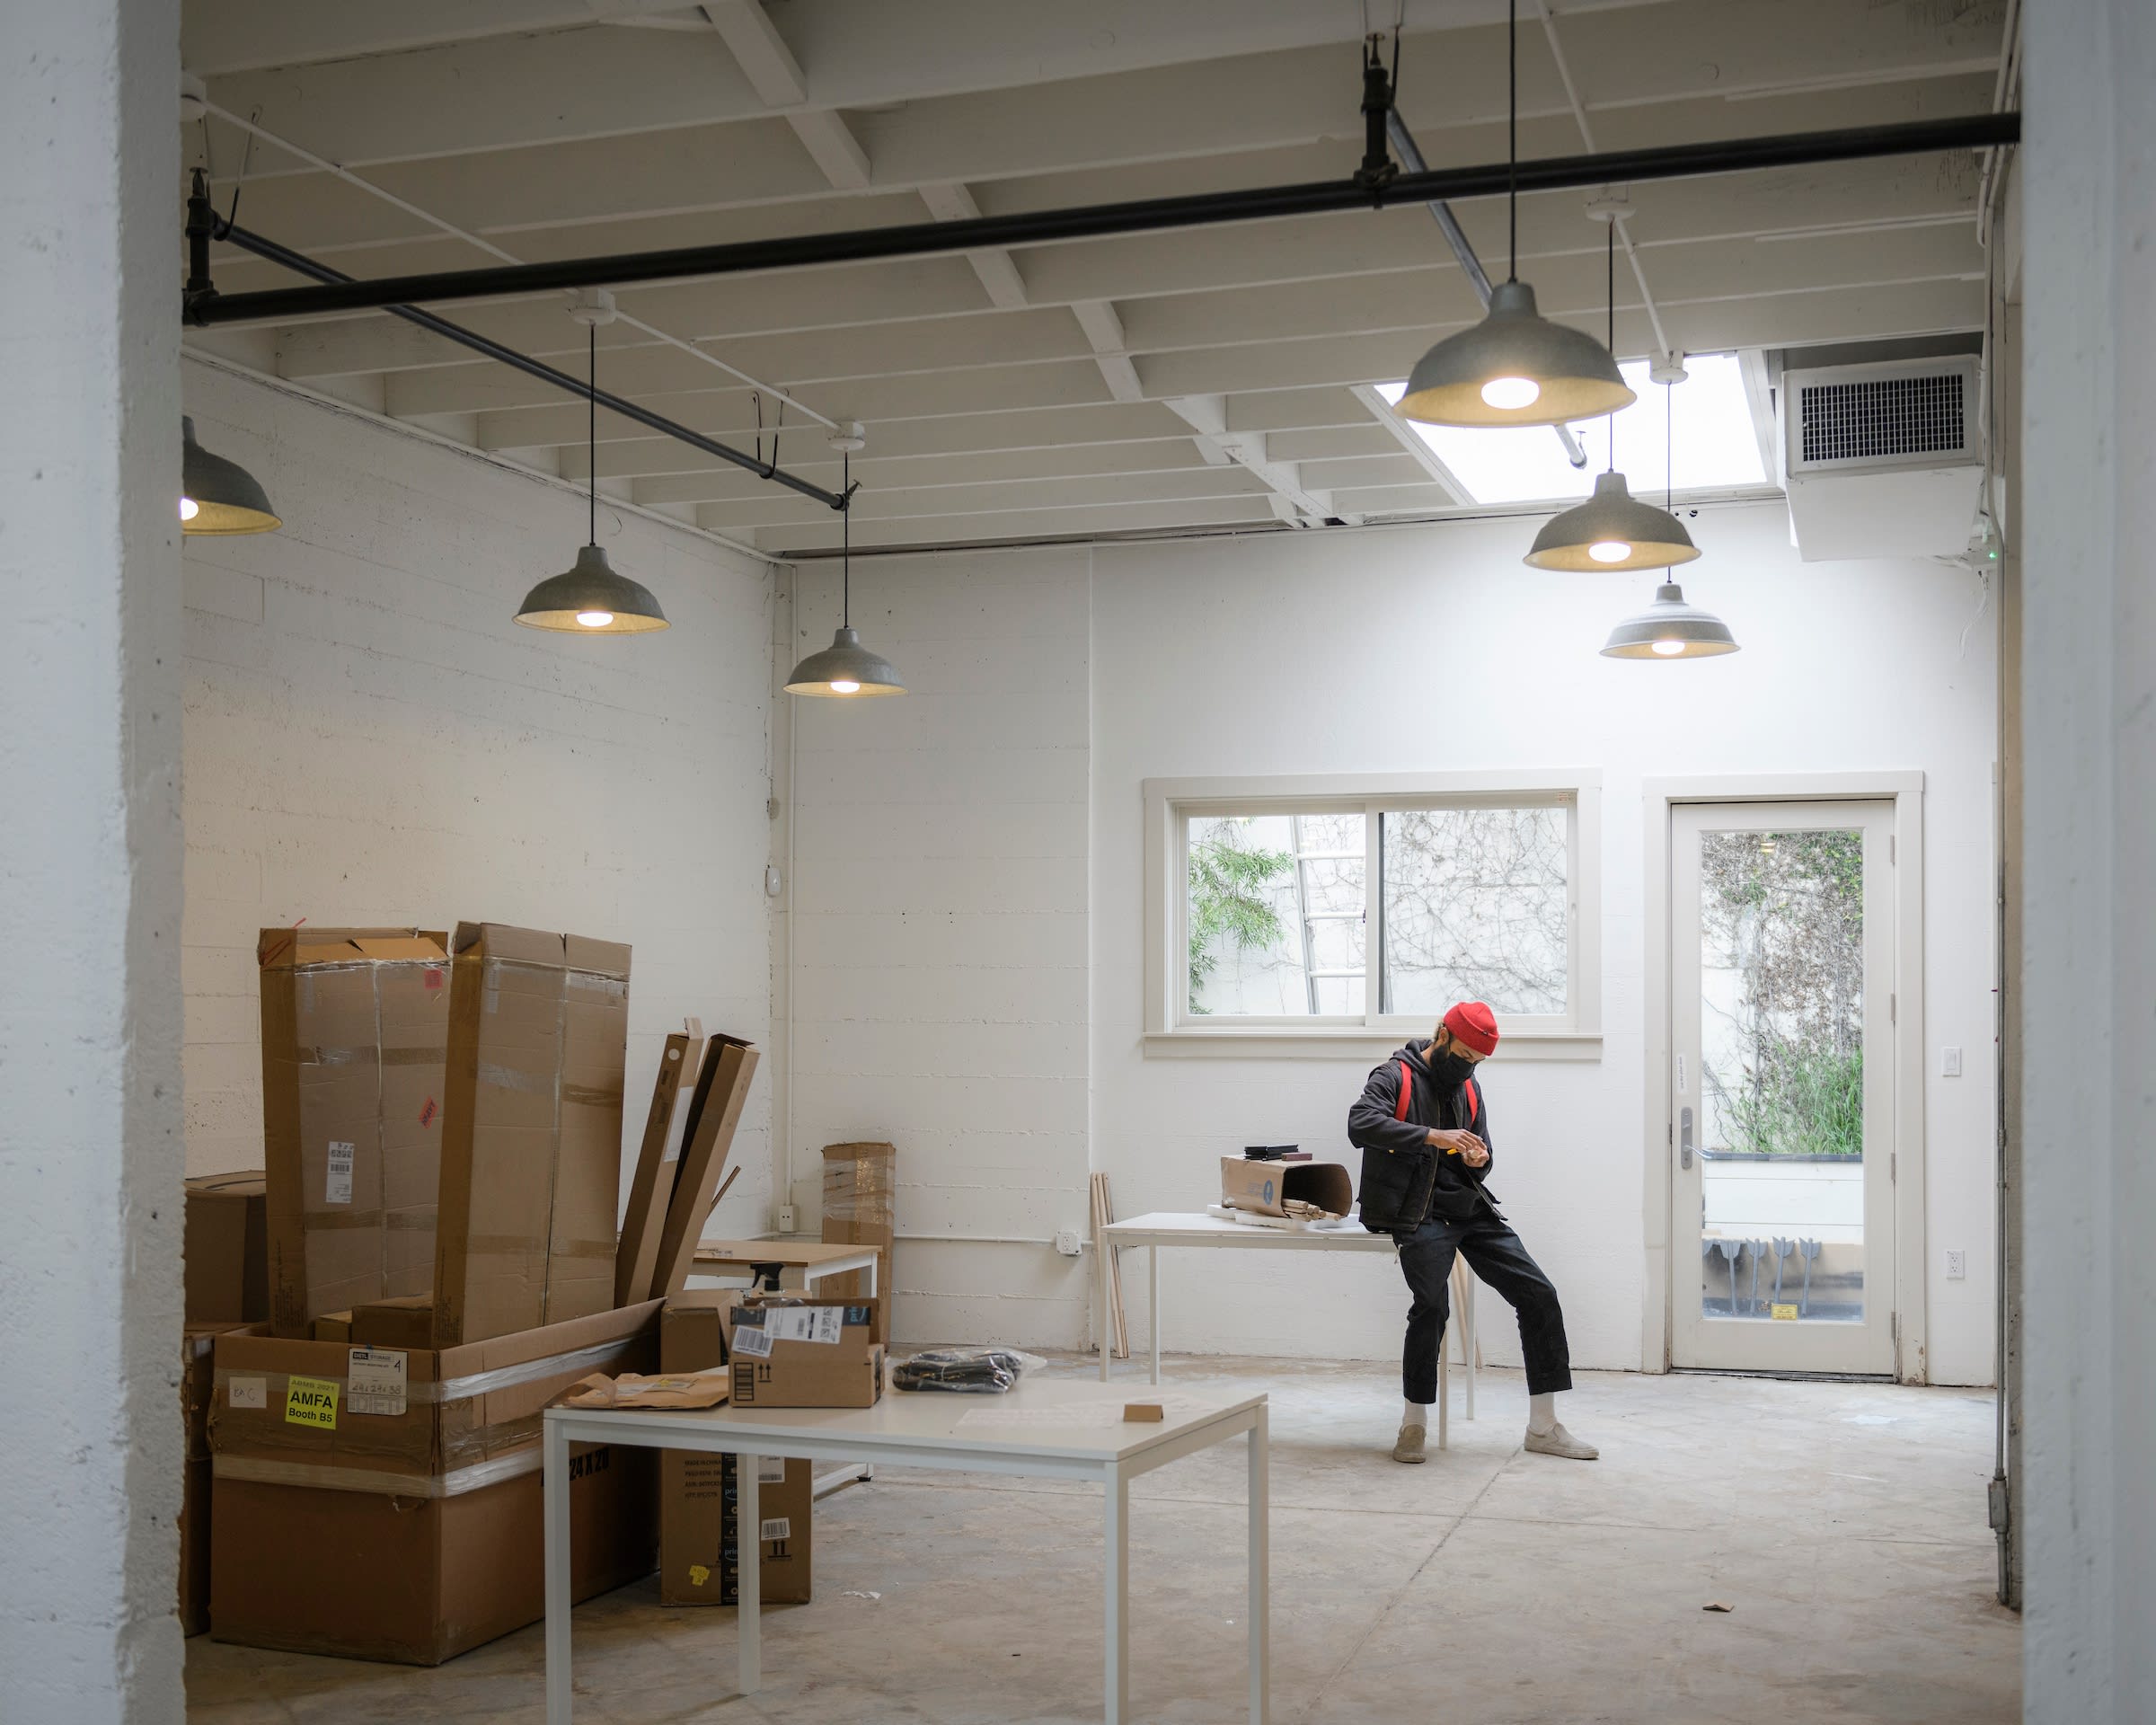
{"x":1408,"y":1445}
{"x":1558,"y":1441}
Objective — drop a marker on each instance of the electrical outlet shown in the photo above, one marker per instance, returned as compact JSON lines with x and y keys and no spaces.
{"x":785,"y":1218}
{"x":1950,"y":1063}
{"x":1958,"y":1266}
{"x":1066,"y":1242}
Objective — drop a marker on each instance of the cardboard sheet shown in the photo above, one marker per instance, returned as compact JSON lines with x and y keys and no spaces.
{"x":721,"y":1093}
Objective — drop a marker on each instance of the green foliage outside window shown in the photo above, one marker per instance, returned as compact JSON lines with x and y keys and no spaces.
{"x":1230,"y":898}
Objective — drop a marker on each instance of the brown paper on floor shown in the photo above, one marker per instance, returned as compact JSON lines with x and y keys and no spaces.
{"x":532,"y":1132}
{"x":354,"y":1033}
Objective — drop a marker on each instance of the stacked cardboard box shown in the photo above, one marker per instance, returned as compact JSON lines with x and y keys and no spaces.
{"x":699,"y":1533}
{"x":197,"y":1345}
{"x":384,"y":1504}
{"x":857,"y":1212}
{"x":226,"y":1248}
{"x":355,"y":1033}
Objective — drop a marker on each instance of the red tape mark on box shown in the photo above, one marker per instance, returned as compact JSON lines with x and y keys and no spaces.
{"x":427,"y":1112}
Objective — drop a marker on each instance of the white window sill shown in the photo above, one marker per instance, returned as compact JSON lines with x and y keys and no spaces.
{"x":1331,"y":1043}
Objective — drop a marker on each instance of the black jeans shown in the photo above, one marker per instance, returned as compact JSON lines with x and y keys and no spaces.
{"x":1494,"y":1251}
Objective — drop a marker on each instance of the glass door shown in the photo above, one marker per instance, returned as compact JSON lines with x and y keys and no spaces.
{"x":1782,"y":1086}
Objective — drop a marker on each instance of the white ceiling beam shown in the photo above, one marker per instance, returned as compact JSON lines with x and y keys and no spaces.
{"x":223,"y":36}
{"x":1208,"y":417}
{"x":775,"y":75}
{"x":986,"y":470}
{"x":773,"y":505}
{"x":1112,"y":352}
{"x":950,"y":201}
{"x":987,"y":526}
{"x":1404,"y":437}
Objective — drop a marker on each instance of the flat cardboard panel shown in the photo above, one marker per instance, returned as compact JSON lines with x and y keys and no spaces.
{"x":703,"y":1160}
{"x":226,"y":1248}
{"x":353,"y":1050}
{"x":696,"y":1517}
{"x":531,"y":1150}
{"x":645,"y":1217}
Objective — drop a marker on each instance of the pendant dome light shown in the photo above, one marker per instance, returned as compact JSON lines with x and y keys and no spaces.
{"x":1514,"y":367}
{"x":845,"y":668}
{"x":1612,"y":530}
{"x":590,"y":598}
{"x":1670,"y":628}
{"x":218,"y":496}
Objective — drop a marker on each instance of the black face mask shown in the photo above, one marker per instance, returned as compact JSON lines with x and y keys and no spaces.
{"x":1449,"y":1070}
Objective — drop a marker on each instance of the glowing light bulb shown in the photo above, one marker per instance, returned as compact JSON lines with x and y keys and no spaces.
{"x":1609,"y":551}
{"x":1669,"y":649}
{"x":594,"y":619}
{"x":1511,"y":392}
{"x":189,"y":508}
{"x":845,"y":685}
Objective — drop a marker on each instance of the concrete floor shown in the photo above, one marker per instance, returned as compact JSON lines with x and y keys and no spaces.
{"x":1844,"y":1523}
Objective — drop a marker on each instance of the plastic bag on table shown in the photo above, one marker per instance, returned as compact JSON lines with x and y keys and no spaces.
{"x":966,"y":1371}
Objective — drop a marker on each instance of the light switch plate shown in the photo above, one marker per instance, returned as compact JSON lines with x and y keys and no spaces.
{"x":1958,"y":1266}
{"x":1950,"y":1063}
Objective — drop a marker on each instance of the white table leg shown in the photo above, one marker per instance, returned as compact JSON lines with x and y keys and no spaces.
{"x":554,"y":1469}
{"x":1117,"y":1517}
{"x":1259,"y":1604}
{"x":1153,"y":1304}
{"x":1104,"y":1325}
{"x":1445,"y":1385}
{"x":749,"y":1547}
{"x":1467,"y":1342}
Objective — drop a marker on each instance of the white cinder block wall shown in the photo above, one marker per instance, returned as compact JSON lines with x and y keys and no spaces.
{"x":939,"y":898}
{"x":370,"y":738}
{"x":1403,"y":651}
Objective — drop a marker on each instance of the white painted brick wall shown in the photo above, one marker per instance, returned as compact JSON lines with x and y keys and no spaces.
{"x":370,"y":738}
{"x":939,"y":894}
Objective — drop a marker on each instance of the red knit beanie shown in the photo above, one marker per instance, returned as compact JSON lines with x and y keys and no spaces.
{"x":1474,"y":1026}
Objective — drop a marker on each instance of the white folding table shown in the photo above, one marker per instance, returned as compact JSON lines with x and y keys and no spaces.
{"x":1044,"y":1429}
{"x":1178,"y":1228}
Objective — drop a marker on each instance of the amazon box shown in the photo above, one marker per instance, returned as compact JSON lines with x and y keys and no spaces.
{"x":1265,"y":1188}
{"x":532,"y":1132}
{"x":227,"y":1246}
{"x":385,"y":1504}
{"x":699,"y":1531}
{"x":805,"y":1354}
{"x":355,"y":1033}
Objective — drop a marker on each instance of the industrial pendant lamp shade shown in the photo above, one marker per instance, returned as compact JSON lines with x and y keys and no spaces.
{"x":1612,"y":530}
{"x":1670,"y":629}
{"x":1514,"y":367}
{"x":218,"y":496}
{"x":591,"y":599}
{"x":844,"y":668}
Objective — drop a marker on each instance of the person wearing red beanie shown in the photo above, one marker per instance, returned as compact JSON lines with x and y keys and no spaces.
{"x":1426,"y":1102}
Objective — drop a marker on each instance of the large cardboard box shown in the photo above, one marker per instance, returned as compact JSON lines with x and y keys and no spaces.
{"x":381,"y":1504}
{"x":1266,"y":1188}
{"x":658,"y":1158}
{"x":227,"y":1247}
{"x":355,"y":1028}
{"x":532,"y":1134}
{"x":858,"y":1182}
{"x":699,"y":1535}
{"x":715,"y":1113}
{"x":804,"y":1354}
{"x":197,"y":1350}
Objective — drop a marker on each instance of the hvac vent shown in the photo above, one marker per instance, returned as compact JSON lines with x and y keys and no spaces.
{"x":1909,"y":413}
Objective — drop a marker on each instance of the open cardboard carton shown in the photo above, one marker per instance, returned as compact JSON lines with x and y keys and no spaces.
{"x":385,"y":1504}
{"x":1267,"y":1187}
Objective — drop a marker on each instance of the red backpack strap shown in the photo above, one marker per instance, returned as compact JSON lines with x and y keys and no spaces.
{"x":1474,"y":1102}
{"x":1407,"y":1093}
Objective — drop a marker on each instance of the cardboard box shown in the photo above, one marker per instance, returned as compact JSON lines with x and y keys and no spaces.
{"x":532,"y":1132}
{"x":407,"y":1322}
{"x":729,"y":1064}
{"x":197,"y":1376}
{"x":379,"y":1504}
{"x":804,"y":1354}
{"x":857,"y":1208}
{"x":331,"y":1326}
{"x":651,"y":1187}
{"x":699,"y":1539}
{"x":1265,"y":1188}
{"x":226,"y":1236}
{"x":355,"y":1028}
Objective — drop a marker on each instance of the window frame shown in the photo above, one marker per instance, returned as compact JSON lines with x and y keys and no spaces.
{"x":1171,"y":1030}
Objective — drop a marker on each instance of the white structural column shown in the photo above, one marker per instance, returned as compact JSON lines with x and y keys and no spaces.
{"x":2088,"y":734}
{"x":91,"y":1160}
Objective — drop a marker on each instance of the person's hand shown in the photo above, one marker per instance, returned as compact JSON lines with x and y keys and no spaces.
{"x":1466,"y":1146}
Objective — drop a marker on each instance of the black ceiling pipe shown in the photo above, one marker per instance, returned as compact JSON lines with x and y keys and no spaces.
{"x":301,"y":264}
{"x":921,"y":239}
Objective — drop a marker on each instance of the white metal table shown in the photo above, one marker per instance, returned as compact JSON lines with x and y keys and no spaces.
{"x":1044,"y":1428}
{"x":1178,"y":1228}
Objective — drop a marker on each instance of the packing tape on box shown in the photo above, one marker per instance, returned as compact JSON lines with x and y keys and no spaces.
{"x":577,"y":1362}
{"x":454,"y":1484}
{"x":509,"y":1078}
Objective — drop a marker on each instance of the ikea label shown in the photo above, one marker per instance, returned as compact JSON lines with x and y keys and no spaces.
{"x":312,"y":1401}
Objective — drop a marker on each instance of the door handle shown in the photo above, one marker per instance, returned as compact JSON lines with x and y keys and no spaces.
{"x":1684,"y":1137}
